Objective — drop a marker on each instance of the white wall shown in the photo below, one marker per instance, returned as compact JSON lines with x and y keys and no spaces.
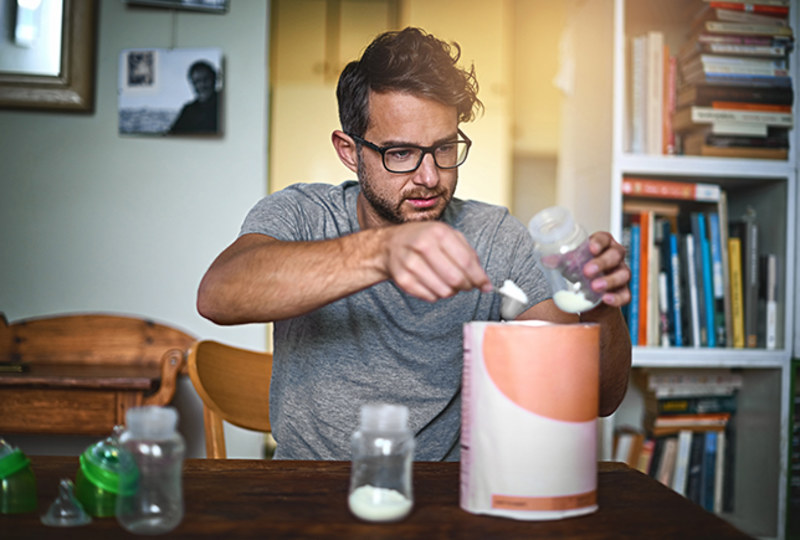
{"x":94,"y":221}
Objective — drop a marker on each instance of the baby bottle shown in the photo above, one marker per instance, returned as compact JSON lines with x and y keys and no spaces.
{"x":98,"y":478}
{"x":17,"y":481}
{"x":153,"y":502}
{"x":380,"y":478}
{"x":562,"y":247}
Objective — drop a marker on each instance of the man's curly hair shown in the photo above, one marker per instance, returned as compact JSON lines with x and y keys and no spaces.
{"x":411,"y":61}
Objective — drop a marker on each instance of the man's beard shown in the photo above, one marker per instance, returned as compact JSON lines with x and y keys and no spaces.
{"x":391,"y":211}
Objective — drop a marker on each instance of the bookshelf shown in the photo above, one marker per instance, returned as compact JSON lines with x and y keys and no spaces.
{"x":793,"y":489}
{"x":769,"y":186}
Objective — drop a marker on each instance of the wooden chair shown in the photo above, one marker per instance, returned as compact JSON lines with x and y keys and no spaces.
{"x":234,"y":386}
{"x":79,"y":373}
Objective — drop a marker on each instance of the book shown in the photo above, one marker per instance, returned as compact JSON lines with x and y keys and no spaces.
{"x":741,"y":152}
{"x":768,"y":50}
{"x":694,"y":478}
{"x":702,"y":278}
{"x":719,"y":64}
{"x":706,"y":94}
{"x":722,"y":212}
{"x":676,"y":291}
{"x":681,"y":474}
{"x":670,"y":90}
{"x":708,"y":470}
{"x":693,"y":116}
{"x":704,"y":421}
{"x":719,"y":472}
{"x":646,"y":455}
{"x":645,"y":223}
{"x":638,"y":94}
{"x":770,"y":318}
{"x":717,"y":279}
{"x":745,"y":106}
{"x":696,"y":404}
{"x":735,"y":15}
{"x":670,"y":189}
{"x":737,"y":79}
{"x":737,"y":292}
{"x":750,"y":275}
{"x":708,"y":285}
{"x":674,"y":382}
{"x":655,"y":92}
{"x":692,"y":295}
{"x":633,"y":306}
{"x":666,"y":464}
{"x":775,"y":138}
{"x":754,"y":7}
{"x":726,"y":27}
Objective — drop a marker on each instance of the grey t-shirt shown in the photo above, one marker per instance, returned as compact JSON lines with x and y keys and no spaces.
{"x":380,"y":344}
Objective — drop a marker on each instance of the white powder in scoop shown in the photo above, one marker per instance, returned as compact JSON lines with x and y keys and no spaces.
{"x":572,"y":302}
{"x":372,"y":503}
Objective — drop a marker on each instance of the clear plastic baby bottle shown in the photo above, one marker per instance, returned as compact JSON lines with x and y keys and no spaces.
{"x":154,"y":503}
{"x":562,"y":246}
{"x":383,"y":452}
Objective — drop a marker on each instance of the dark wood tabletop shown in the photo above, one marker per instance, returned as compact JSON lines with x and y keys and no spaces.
{"x":308,"y":499}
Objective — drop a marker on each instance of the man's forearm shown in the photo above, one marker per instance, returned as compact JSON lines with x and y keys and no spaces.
{"x":260,"y":279}
{"x":615,"y":355}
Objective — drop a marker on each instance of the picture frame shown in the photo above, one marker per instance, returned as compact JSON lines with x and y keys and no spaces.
{"x":211,"y":6}
{"x":72,"y":89}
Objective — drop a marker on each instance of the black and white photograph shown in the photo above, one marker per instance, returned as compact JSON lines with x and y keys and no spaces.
{"x":170,"y":91}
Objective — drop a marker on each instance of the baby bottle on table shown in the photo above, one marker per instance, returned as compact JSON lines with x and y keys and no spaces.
{"x":383,"y":450}
{"x":562,"y":247}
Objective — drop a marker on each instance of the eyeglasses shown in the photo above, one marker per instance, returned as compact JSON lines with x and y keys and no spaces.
{"x":406,"y":158}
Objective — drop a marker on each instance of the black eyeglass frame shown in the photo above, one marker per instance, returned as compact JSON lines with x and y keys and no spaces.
{"x":425,"y":150}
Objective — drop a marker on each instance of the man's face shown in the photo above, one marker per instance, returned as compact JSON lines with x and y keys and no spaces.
{"x":203,"y":83}
{"x":400,"y":118}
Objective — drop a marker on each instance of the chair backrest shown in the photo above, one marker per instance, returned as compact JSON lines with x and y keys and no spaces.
{"x":234,"y":386}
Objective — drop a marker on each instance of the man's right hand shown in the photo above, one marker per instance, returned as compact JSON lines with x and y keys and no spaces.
{"x":430,"y":260}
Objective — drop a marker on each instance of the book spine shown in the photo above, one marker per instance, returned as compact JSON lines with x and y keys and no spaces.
{"x":747,"y":28}
{"x":695,"y":467}
{"x":702,"y":115}
{"x":696,"y":404}
{"x":668,"y":189}
{"x":655,"y":91}
{"x":718,"y":285}
{"x":754,"y":7}
{"x":638,"y":91}
{"x":682,"y":461}
{"x":692,"y":293}
{"x":771,"y":322}
{"x":708,"y":291}
{"x":751,"y":284}
{"x":644,"y":275}
{"x":698,"y":235}
{"x":709,"y":468}
{"x":675,"y":274}
{"x":633,"y":306}
{"x":737,"y":295}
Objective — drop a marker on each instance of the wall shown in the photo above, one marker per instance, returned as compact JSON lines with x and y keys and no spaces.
{"x":94,"y":221}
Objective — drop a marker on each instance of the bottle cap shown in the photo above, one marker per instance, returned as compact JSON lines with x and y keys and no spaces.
{"x":384,"y":417}
{"x":103,"y":463}
{"x":151,"y":422}
{"x":551,"y":225}
{"x":11,"y":459}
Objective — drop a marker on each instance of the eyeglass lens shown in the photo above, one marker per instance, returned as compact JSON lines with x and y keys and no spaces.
{"x":408,"y":158}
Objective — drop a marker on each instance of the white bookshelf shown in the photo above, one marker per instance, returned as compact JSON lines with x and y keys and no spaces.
{"x":771,"y":187}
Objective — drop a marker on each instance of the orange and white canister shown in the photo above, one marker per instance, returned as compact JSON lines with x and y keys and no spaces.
{"x":529,"y":419}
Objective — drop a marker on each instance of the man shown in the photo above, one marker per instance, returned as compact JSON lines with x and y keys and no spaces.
{"x":200,"y":115}
{"x":369,"y":283}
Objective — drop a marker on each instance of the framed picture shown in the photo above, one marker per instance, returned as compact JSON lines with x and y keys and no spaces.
{"x":170,"y":91}
{"x":47,"y":54}
{"x":215,"y":6}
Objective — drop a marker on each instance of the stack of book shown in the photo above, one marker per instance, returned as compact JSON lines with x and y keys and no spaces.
{"x":698,"y":279}
{"x":689,"y":429}
{"x":734,"y":93}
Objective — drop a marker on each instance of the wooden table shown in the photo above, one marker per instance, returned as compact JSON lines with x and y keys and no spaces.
{"x":72,"y":399}
{"x":296,"y":499}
